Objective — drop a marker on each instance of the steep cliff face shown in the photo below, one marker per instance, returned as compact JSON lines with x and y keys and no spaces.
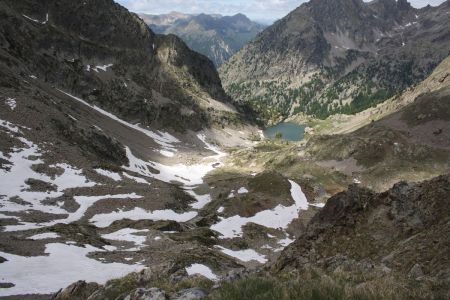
{"x":218,"y":37}
{"x":110,"y":58}
{"x":327,"y":57}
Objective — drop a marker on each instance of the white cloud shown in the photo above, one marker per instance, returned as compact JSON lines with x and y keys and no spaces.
{"x":255,"y":9}
{"x":264,"y":10}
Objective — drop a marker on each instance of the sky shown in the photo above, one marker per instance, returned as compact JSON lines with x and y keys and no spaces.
{"x":259,"y":10}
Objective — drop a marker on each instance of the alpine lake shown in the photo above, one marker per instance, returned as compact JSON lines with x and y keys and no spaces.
{"x":286,"y":131}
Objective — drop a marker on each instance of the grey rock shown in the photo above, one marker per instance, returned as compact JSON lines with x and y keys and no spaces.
{"x":416,"y":272}
{"x":178,"y":276}
{"x":385,"y":269}
{"x":388,"y":258}
{"x":190,"y":294}
{"x":154,"y":271}
{"x":147,"y":294}
{"x":233,"y":275}
{"x":79,"y":290}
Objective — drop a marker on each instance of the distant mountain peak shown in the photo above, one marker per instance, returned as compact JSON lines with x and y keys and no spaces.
{"x":216,"y":36}
{"x":240,"y":15}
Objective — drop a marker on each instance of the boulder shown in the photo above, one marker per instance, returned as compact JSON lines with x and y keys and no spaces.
{"x":415,"y":272}
{"x":79,"y":290}
{"x":190,"y":294}
{"x":147,"y":294}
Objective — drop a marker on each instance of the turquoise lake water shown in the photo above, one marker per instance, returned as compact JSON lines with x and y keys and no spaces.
{"x":290,"y":131}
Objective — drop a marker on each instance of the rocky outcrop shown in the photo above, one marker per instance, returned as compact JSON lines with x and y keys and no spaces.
{"x":80,"y":290}
{"x":140,"y":286}
{"x":110,"y":58}
{"x":403,"y":230}
{"x":329,"y":57}
{"x":146,"y":294}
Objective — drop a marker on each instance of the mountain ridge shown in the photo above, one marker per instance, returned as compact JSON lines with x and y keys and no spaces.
{"x":129,"y":54}
{"x":326,"y":58}
{"x":216,"y":36}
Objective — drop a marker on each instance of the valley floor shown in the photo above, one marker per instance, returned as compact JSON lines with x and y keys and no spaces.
{"x":86,"y":195}
{"x":169,"y":200}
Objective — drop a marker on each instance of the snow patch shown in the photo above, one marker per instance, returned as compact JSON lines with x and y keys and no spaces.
{"x":11,"y":102}
{"x":356,"y":181}
{"x":285,"y":242}
{"x":298,"y":195}
{"x":37,"y":21}
{"x":244,"y":255}
{"x":319,"y":205}
{"x":64,"y":265}
{"x":137,"y":179}
{"x":127,"y":235}
{"x":72,"y":117}
{"x":104,"y":68}
{"x":105,"y":220}
{"x":84,"y":201}
{"x":202,"y":200}
{"x":45,"y":235}
{"x":113,"y":175}
{"x":165,"y":140}
{"x":10,"y":126}
{"x":202,"y":270}
{"x":13,"y":181}
{"x":242,"y":190}
{"x":166,"y":153}
{"x":187,"y":174}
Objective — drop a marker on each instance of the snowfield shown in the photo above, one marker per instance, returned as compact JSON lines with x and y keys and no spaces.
{"x":13,"y":183}
{"x":64,"y":265}
{"x":84,"y":201}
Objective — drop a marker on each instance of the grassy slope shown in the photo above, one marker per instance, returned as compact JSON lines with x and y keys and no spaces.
{"x":339,"y":124}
